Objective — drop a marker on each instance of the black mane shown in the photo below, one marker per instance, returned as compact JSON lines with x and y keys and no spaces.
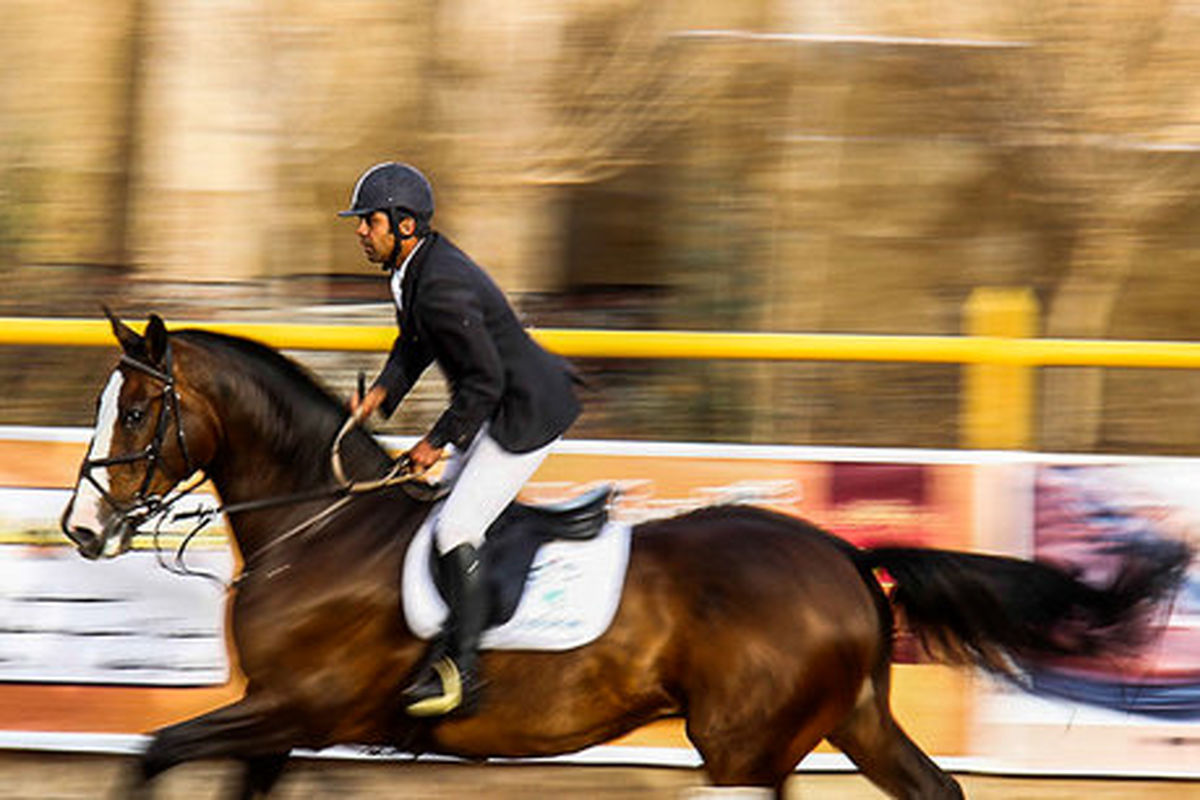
{"x":296,"y":414}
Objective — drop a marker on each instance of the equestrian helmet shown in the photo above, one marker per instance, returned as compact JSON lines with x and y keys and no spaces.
{"x":388,"y":186}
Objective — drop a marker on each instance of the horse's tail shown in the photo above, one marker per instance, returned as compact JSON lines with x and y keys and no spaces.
{"x":999,"y":613}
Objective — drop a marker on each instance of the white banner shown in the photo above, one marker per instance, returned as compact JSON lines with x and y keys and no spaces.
{"x":129,"y":621}
{"x":64,"y":619}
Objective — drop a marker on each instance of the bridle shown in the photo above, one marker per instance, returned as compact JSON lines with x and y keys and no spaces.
{"x":146,"y":505}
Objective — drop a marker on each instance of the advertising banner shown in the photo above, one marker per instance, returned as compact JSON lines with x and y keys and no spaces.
{"x":1138,"y":714}
{"x":128,"y":620}
{"x":126,"y":646}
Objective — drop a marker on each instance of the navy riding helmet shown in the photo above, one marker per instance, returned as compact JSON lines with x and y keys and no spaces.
{"x":397,"y":189}
{"x":392,"y":185}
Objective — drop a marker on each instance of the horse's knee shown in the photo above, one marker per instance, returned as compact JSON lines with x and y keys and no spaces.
{"x":155,"y":759}
{"x":161,"y":754}
{"x":131,"y":785}
{"x":951,"y":790}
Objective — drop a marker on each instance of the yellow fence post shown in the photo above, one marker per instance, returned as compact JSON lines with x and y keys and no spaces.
{"x":997,"y":404}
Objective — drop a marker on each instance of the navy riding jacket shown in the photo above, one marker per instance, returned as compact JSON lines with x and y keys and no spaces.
{"x":454,"y":314}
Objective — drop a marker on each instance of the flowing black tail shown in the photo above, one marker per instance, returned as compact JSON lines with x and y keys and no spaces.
{"x":1000,"y":613}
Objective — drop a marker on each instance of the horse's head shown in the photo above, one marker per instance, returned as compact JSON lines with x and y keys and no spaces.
{"x":151,"y":434}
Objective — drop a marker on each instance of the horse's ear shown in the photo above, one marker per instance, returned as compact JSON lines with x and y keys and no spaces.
{"x":131,"y":341}
{"x":156,"y":340}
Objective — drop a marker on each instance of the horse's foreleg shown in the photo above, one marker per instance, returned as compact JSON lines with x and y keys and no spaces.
{"x":252,"y":729}
{"x":259,"y":776}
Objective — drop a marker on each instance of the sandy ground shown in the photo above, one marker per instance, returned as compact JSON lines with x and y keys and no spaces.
{"x":41,"y":776}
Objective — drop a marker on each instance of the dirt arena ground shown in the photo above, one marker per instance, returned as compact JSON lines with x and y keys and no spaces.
{"x":43,"y":776}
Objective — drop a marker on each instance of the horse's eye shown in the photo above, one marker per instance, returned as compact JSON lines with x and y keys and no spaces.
{"x":133,"y":417}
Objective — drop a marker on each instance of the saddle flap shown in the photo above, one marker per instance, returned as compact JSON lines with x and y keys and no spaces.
{"x":579,"y":518}
{"x":566,"y":598}
{"x":512,"y":542}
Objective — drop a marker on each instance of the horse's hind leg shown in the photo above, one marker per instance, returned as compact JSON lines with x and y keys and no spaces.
{"x":874,"y":741}
{"x":758,"y":750}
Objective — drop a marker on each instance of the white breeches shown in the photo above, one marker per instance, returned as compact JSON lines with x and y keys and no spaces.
{"x":484,"y":480}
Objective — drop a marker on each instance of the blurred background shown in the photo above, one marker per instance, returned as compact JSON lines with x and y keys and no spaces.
{"x":748,"y":165}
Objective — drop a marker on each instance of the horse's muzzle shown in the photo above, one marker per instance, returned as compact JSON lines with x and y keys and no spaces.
{"x":89,"y":545}
{"x":114,"y":540}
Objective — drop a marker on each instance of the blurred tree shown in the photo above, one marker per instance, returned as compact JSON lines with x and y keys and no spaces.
{"x":771,"y":164}
{"x":63,"y":110}
{"x":1092,"y":117}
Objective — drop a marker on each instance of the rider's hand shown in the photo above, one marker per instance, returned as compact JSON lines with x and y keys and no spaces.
{"x":363,"y":407}
{"x":423,"y":455}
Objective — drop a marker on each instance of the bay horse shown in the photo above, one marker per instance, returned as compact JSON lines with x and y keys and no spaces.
{"x":765,"y":633}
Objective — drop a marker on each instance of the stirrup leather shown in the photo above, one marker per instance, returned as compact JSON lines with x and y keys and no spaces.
{"x":451,"y":697}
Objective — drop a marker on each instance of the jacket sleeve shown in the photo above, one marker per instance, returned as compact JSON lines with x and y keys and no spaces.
{"x":470,"y":360}
{"x":403,"y":368}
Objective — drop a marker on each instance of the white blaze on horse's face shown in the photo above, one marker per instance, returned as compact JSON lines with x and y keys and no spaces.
{"x":85,"y":518}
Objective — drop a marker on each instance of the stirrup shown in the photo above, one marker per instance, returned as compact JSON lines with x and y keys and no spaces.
{"x":451,"y":696}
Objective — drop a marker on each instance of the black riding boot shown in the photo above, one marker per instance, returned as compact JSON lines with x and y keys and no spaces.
{"x":451,"y":683}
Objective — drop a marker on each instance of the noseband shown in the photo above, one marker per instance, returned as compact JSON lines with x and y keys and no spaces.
{"x":145,"y":505}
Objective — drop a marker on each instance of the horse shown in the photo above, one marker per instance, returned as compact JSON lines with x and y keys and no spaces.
{"x":763,"y":632}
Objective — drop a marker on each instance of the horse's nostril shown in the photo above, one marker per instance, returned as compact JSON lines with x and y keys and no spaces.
{"x":87,"y":542}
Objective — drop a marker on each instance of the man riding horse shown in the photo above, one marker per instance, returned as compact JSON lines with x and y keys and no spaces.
{"x":510,"y":402}
{"x":766,"y":633}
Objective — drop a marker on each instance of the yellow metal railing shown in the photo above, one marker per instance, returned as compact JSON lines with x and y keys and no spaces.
{"x":999,"y":351}
{"x":996,"y":407}
{"x":703,"y":345}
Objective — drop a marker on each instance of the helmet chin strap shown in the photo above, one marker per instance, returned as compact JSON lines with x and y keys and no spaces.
{"x":392,"y":261}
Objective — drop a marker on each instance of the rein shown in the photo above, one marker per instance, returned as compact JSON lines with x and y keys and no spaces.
{"x":147,"y":507}
{"x":343,"y":492}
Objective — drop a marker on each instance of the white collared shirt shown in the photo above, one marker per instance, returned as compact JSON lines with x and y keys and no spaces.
{"x":398,"y":277}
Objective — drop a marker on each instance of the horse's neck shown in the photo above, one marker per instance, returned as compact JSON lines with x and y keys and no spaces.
{"x":241,"y":481}
{"x":363,"y":522}
{"x":265,"y":452}
{"x":245,"y":479}
{"x":249,"y":469}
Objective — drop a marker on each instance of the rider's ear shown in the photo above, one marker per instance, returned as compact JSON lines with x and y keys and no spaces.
{"x":131,"y":342}
{"x":156,"y":340}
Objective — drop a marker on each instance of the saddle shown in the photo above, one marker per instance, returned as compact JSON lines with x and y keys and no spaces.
{"x":512,"y":542}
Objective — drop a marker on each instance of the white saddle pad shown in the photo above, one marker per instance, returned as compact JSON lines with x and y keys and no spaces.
{"x":571,"y":593}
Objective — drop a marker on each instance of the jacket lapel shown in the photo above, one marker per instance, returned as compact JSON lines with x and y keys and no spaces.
{"x":408,"y":287}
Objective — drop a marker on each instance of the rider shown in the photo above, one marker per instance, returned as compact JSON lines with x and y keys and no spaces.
{"x":510,"y":401}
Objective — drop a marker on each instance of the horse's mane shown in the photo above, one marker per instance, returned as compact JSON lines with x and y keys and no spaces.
{"x":292,"y":410}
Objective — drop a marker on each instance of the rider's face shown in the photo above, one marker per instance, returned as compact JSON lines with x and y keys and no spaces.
{"x":375,"y":235}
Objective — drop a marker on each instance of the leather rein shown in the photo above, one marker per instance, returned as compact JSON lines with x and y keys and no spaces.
{"x":148,"y":507}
